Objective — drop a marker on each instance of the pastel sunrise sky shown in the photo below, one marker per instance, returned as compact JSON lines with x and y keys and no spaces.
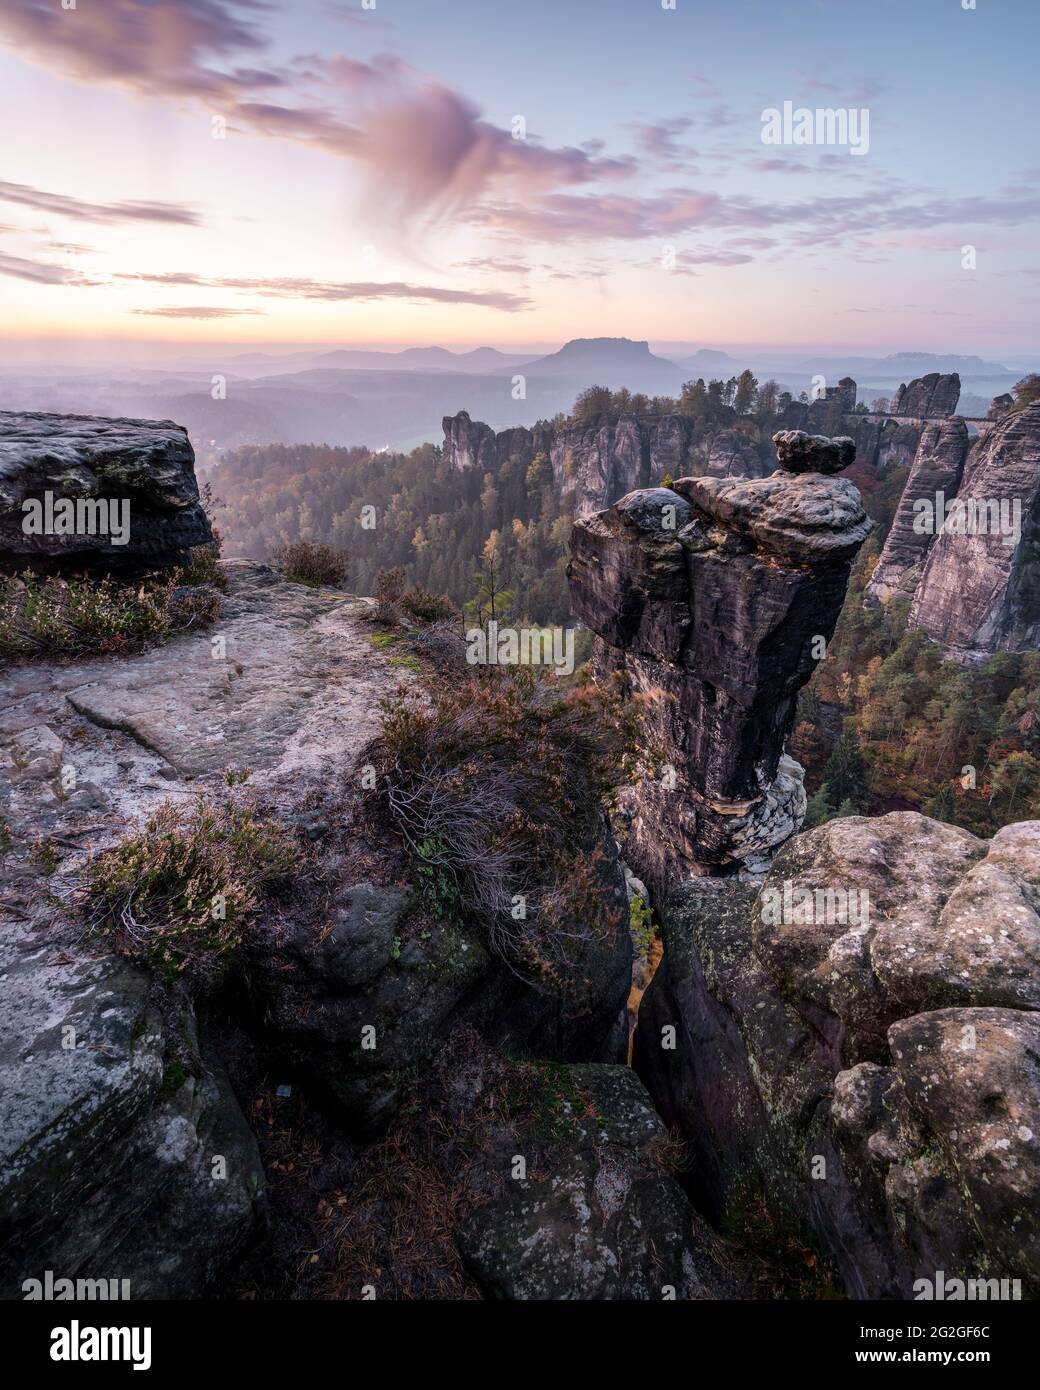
{"x":370,"y":188}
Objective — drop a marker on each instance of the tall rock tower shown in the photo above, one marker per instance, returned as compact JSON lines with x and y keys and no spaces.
{"x":714,"y":600}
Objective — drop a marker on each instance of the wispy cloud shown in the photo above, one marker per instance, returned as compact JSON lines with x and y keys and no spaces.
{"x":43,"y":272}
{"x":150,"y":48}
{"x":24,"y":195}
{"x":336,"y":291}
{"x":194,"y":311}
{"x":828,"y":220}
{"x":426,"y":147}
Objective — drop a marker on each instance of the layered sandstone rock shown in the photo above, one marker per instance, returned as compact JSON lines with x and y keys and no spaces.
{"x":938,"y":468}
{"x":928,"y":397}
{"x":80,"y":492}
{"x":979,"y":592}
{"x":856,"y":1038}
{"x":713,"y":600}
{"x":114,"y":1099}
{"x":597,"y":463}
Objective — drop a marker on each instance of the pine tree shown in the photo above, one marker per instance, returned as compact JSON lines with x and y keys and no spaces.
{"x":846,"y":773}
{"x":819,"y":808}
{"x":745,"y":392}
{"x":941,"y":807}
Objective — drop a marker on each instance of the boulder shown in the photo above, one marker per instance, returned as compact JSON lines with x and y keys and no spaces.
{"x":798,"y":452}
{"x":856,"y":1035}
{"x":119,"y":1161}
{"x":79,"y":491}
{"x":607,"y":1220}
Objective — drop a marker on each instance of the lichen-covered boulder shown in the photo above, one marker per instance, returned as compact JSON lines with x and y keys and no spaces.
{"x":856,"y":1034}
{"x":603,"y":1218}
{"x":118,"y":1161}
{"x":81,"y":491}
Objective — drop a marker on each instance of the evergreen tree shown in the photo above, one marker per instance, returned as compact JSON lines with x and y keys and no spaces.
{"x":819,"y":808}
{"x":846,"y":773}
{"x":593,"y":402}
{"x":745,"y":393}
{"x":942,"y":805}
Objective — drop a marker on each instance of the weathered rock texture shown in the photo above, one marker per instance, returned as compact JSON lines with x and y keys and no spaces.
{"x":604,"y":1219}
{"x":874,"y":1072}
{"x":107,"y":1169}
{"x":147,"y":464}
{"x":109,"y":1131}
{"x":928,"y":397}
{"x":707,"y":599}
{"x":937,"y":468}
{"x":979,"y":592}
{"x":599,"y":463}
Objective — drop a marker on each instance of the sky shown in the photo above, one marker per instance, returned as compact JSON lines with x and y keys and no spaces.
{"x":520,"y":172}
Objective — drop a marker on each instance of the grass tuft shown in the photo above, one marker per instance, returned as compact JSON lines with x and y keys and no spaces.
{"x":179,"y":894}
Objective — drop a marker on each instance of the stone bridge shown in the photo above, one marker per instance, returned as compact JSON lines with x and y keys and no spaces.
{"x":981,"y":422}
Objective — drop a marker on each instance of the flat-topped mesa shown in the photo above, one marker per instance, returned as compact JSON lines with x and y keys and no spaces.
{"x":710,"y":598}
{"x":79,"y":492}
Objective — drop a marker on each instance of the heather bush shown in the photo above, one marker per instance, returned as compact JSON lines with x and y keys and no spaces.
{"x":307,"y":562}
{"x":65,"y":618}
{"x":399,"y":606}
{"x":179,"y":893}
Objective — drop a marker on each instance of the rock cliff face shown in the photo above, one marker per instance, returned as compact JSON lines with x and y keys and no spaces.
{"x":710,"y":600}
{"x":928,"y":397}
{"x":127,"y":488}
{"x":599,"y":463}
{"x":937,"y":468}
{"x":857,"y":1039}
{"x":979,"y":592}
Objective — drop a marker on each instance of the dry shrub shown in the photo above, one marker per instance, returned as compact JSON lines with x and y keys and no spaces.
{"x":498,"y":786}
{"x":408,"y":607}
{"x":205,"y":568}
{"x":179,"y":893}
{"x":309,"y":562}
{"x":66,"y":618}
